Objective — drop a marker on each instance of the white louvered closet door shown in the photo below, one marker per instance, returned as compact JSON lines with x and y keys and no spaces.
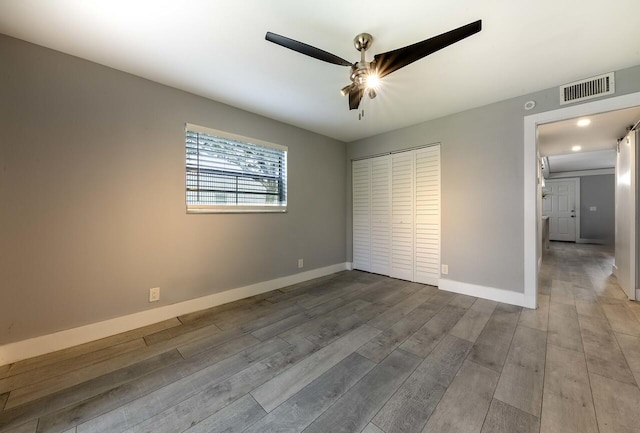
{"x":361,"y":175}
{"x":427,"y":215}
{"x":402,"y":212}
{"x":380,"y":214}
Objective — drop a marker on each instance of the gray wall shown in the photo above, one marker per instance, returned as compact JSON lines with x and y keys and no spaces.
{"x":482,"y":183}
{"x":598,"y":191}
{"x":93,"y":202}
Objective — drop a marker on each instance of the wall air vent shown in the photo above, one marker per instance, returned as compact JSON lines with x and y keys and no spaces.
{"x":588,"y":88}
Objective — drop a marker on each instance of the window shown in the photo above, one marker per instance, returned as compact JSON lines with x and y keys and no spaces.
{"x":229,"y":173}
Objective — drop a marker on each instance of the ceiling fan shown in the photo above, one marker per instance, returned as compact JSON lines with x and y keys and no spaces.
{"x":366,"y":75}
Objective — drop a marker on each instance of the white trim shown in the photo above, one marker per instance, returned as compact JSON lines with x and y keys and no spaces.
{"x":349,"y":266}
{"x":231,"y":136}
{"x":24,"y":349}
{"x":581,"y":173}
{"x":614,"y":270}
{"x":530,"y":182}
{"x":491,"y":293}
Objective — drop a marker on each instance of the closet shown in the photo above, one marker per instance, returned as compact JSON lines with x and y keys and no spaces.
{"x":396,"y":215}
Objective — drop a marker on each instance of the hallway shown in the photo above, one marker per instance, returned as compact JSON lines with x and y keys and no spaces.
{"x":593,"y":343}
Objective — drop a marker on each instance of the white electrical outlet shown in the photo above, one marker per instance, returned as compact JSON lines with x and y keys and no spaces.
{"x":300,"y":263}
{"x":154,"y":294}
{"x":445,"y":269}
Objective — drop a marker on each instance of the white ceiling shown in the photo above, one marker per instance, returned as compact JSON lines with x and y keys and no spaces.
{"x":582,"y":161}
{"x":217,"y":49}
{"x":597,"y":140}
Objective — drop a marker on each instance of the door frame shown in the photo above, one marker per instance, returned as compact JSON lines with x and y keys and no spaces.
{"x":576,"y":201}
{"x":530,"y":195}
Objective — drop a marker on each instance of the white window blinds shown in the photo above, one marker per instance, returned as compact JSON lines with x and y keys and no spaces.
{"x":229,"y":173}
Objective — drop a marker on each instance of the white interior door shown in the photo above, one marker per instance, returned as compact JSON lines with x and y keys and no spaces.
{"x":427,"y":215}
{"x":381,"y":215}
{"x":626,"y":220}
{"x":402,"y":209}
{"x":361,"y":182}
{"x":560,"y":206}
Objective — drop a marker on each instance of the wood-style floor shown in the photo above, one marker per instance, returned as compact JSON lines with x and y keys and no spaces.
{"x":356,"y":352}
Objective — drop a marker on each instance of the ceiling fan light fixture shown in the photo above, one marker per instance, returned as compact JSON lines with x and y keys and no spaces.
{"x":347,"y":89}
{"x":372,"y":81}
{"x":372,"y":93}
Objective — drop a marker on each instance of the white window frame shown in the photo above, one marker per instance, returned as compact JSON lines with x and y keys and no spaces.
{"x":235,"y":208}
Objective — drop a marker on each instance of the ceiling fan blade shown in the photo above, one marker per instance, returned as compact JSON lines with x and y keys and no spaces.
{"x":355,"y":96}
{"x":391,"y":61}
{"x":305,"y":49}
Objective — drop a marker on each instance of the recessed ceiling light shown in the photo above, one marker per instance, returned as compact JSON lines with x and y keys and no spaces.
{"x":576,"y":148}
{"x":584,"y":122}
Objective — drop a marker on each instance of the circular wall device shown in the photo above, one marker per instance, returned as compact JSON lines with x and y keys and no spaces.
{"x":529,"y":105}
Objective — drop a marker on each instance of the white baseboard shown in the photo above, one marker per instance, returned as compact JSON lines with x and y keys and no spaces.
{"x":590,"y":241}
{"x":491,"y":293}
{"x":614,"y":270}
{"x":349,"y":266}
{"x":19,"y":350}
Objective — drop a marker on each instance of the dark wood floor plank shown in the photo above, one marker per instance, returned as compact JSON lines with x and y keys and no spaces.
{"x":72,"y":352}
{"x":399,"y":294}
{"x":86,"y":390}
{"x":4,"y":370}
{"x":249,"y":321}
{"x":234,"y":418}
{"x":491,"y":348}
{"x":194,"y":376}
{"x":386,"y":319}
{"x":307,"y":328}
{"x":538,"y":318}
{"x":313,"y":282}
{"x":207,"y":316}
{"x":140,"y":409}
{"x":385,"y":343}
{"x":276,"y":391}
{"x":181,"y":334}
{"x":463,"y":301}
{"x":245,"y":349}
{"x":422,"y":342}
{"x":564,"y":329}
{"x":617,"y":405}
{"x":353,"y":411}
{"x":474,"y":320}
{"x":464,"y":406}
{"x":332,"y":330}
{"x":590,"y":308}
{"x":503,"y":418}
{"x":603,"y":354}
{"x":567,"y":404}
{"x":326,"y":307}
{"x":58,"y":383}
{"x":277,"y":328}
{"x":301,"y":409}
{"x":414,"y":402}
{"x":372,"y":428}
{"x":68,"y":365}
{"x":622,"y":319}
{"x":212,"y":398}
{"x":562,"y":292}
{"x":631,"y":350}
{"x":29,"y":427}
{"x":521,"y":381}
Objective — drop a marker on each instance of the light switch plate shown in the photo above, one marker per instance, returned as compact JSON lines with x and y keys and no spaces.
{"x":445,"y":269}
{"x":593,"y":208}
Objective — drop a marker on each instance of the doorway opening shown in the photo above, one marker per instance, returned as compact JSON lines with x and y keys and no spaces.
{"x":532,"y":179}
